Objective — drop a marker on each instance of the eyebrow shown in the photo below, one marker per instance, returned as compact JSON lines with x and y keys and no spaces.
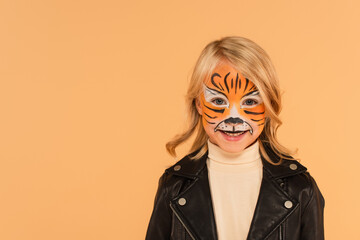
{"x":255,"y":92}
{"x":215,"y":91}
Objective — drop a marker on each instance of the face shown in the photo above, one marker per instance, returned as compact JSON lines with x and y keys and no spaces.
{"x":233,"y":113}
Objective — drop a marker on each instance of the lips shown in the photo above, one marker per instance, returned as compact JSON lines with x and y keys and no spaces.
{"x":233,"y":136}
{"x":233,"y":133}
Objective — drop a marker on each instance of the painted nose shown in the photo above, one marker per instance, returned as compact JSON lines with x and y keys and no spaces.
{"x":234,"y":121}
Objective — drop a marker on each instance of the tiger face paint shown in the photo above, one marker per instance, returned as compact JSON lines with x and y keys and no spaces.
{"x":233,"y":113}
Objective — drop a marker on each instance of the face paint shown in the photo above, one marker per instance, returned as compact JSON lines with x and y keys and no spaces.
{"x":233,"y":113}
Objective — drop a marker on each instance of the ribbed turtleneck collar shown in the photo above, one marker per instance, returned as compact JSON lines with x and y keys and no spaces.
{"x":247,"y":160}
{"x":248,"y":155}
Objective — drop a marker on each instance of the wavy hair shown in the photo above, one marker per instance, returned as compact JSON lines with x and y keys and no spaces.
{"x":254,"y":63}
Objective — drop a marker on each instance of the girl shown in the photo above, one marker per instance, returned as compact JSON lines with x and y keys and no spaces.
{"x":237,"y":182}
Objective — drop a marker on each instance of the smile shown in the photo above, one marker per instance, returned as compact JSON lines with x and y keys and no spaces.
{"x":233,"y":134}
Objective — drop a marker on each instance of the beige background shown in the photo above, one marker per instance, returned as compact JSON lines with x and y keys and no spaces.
{"x":90,"y":91}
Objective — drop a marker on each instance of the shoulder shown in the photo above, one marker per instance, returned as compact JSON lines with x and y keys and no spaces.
{"x":291,"y":171}
{"x":298,"y":182}
{"x":173,"y":179}
{"x":187,"y":167}
{"x":178,"y":175}
{"x":287,"y":170}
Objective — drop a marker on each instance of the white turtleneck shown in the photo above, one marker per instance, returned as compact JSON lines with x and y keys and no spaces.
{"x":235,"y":180}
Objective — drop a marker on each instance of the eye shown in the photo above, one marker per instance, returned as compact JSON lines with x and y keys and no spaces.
{"x":218,"y":101}
{"x":250,"y":102}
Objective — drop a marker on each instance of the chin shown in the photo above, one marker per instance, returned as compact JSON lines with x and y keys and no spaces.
{"x":232,"y":148}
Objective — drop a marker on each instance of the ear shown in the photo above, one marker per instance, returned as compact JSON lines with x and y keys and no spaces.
{"x":198,"y":106}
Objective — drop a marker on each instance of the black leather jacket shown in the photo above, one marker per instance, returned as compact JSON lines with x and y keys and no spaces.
{"x":290,"y":205}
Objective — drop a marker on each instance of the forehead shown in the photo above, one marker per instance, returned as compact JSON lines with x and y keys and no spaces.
{"x":229,"y":81}
{"x":224,"y":68}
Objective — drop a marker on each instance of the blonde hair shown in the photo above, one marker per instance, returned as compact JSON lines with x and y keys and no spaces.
{"x":253,"y":63}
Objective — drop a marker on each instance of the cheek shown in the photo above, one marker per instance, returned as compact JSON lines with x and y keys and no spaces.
{"x":258,"y":120}
{"x":258,"y":126}
{"x":209,"y":118}
{"x":207,"y":126}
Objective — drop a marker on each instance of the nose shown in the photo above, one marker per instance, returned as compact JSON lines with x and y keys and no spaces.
{"x":234,"y":121}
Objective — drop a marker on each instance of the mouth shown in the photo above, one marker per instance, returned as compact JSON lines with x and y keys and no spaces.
{"x":233,"y":133}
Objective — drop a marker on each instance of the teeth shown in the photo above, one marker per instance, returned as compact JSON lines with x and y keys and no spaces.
{"x":234,"y":134}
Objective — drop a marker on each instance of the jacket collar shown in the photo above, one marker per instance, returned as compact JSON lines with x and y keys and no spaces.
{"x":191,"y":168}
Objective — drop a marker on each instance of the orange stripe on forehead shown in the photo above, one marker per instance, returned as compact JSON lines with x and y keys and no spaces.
{"x":230,"y":83}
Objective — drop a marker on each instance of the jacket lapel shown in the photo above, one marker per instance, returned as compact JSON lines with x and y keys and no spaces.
{"x":196,"y":212}
{"x":274,"y":204}
{"x":271,"y":208}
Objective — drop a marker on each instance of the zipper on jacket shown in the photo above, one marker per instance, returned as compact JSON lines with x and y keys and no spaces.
{"x":182,"y":223}
{"x":280,"y":232}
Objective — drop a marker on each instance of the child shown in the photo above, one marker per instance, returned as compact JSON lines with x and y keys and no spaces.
{"x":238,"y":182}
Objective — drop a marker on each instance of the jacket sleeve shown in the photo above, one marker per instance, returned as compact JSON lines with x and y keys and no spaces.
{"x":312,"y":220}
{"x":159,"y":227}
